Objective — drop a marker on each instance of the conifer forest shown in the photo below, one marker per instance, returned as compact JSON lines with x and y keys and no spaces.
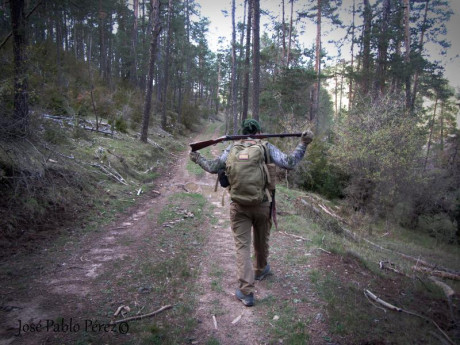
{"x":99,"y":101}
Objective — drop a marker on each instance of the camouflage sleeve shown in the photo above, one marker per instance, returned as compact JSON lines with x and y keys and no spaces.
{"x":213,"y":165}
{"x":286,"y":161}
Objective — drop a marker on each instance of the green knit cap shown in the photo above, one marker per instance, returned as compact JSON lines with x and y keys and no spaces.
{"x":250,"y":126}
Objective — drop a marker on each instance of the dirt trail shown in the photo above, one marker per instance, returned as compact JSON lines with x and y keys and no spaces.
{"x":82,"y":279}
{"x":66,"y":284}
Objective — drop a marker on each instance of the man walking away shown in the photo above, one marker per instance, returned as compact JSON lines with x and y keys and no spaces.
{"x":245,"y":164}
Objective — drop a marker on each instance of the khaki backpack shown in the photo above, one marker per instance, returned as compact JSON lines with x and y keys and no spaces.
{"x":248,"y":174}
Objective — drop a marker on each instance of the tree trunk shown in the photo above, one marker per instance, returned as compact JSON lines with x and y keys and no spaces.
{"x":109,"y":50}
{"x":102,"y":48}
{"x":379,"y":85}
{"x":156,"y":28}
{"x":133,"y":73}
{"x":366,"y":47}
{"x":217,"y":87}
{"x":288,"y":60}
{"x":417,"y":70}
{"x":234,"y":98}
{"x":397,"y":78}
{"x":59,"y":39}
{"x":21,"y":105}
{"x":166,"y":67}
{"x":442,"y":127}
{"x":407,"y":53}
{"x":431,"y":133}
{"x":283,"y":32}
{"x":188,"y":71}
{"x":255,"y":58}
{"x":350,"y":88}
{"x":315,"y":94}
{"x":240,"y":71}
{"x":246,"y":64}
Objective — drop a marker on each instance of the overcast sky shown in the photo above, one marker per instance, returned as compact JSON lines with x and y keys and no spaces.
{"x":221,"y":26}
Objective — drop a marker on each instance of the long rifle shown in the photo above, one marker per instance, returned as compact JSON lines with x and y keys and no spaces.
{"x":202,"y":144}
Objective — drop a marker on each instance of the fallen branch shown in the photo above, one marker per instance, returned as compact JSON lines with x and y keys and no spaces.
{"x":237,"y":319}
{"x":114,"y":174}
{"x":96,"y":130}
{"x":295,"y":236}
{"x":214,"y":321}
{"x":381,"y":301}
{"x":324,"y":250}
{"x":332,"y":214}
{"x":140,"y":317}
{"x":400,"y":310}
{"x":121,"y":309}
{"x":437,"y":273}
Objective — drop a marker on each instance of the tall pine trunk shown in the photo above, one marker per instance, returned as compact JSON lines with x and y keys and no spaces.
{"x":431,"y":132}
{"x":350,"y":87}
{"x":156,"y":28}
{"x":316,"y":87}
{"x":246,"y":63}
{"x":166,"y":67}
{"x":240,"y":70}
{"x":379,"y":83}
{"x":417,"y":71}
{"x":234,"y":92}
{"x":288,"y":60}
{"x":366,"y":48}
{"x":407,"y":53}
{"x":133,"y":73}
{"x":21,"y":105}
{"x":283,"y":32}
{"x":255,"y":58}
{"x":102,"y":47}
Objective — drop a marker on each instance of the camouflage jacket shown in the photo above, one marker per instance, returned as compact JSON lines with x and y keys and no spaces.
{"x":278,"y":157}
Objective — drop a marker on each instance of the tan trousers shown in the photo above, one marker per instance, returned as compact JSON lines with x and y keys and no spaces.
{"x":243,"y":218}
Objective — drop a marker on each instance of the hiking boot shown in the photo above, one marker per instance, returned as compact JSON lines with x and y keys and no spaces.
{"x":264,"y":273}
{"x":248,"y":300}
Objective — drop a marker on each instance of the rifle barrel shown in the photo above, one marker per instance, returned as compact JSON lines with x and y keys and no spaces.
{"x":202,"y":144}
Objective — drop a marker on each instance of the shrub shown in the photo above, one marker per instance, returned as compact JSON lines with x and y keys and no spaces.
{"x":121,"y":125}
{"x":380,"y":149}
{"x":318,"y":174}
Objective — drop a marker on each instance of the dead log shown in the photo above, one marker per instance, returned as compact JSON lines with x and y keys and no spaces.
{"x":436,"y":273}
{"x":96,"y":130}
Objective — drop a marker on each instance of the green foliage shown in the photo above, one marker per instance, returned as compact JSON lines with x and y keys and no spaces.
{"x":191,"y":114}
{"x":319,"y":175}
{"x":119,"y":124}
{"x":53,"y":133}
{"x":380,"y":149}
{"x":287,"y":93}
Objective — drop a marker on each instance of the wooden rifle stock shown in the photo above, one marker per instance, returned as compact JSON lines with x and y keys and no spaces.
{"x":202,"y":144}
